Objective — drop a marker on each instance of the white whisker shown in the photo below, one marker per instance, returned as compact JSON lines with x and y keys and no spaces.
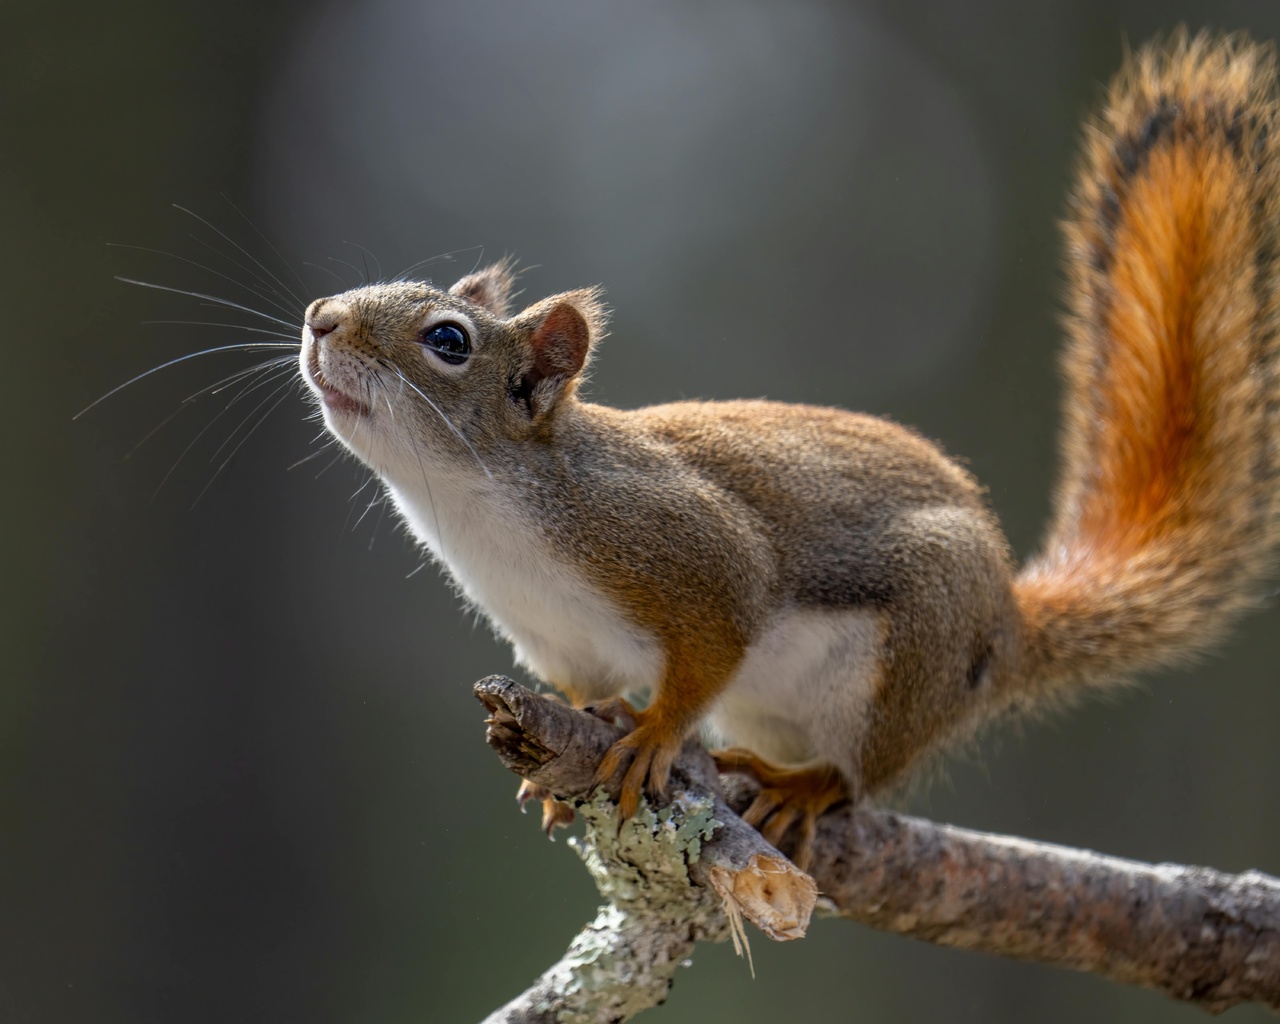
{"x":440,"y":412}
{"x":329,"y":465}
{"x":356,"y":493}
{"x":426,"y":482}
{"x":363,"y":278}
{"x":444,"y":257}
{"x":249,"y":433}
{"x":265,"y":239}
{"x":259,"y":262}
{"x":214,"y":299}
{"x":287,"y":304}
{"x":414,"y":572}
{"x":314,"y":455}
{"x":377,"y":497}
{"x":270,"y":332}
{"x":382,"y":514}
{"x":244,"y":393}
{"x":368,"y":252}
{"x":248,"y":346}
{"x":272,"y":297}
{"x":211,"y":389}
{"x":204,"y":430}
{"x":328,"y":270}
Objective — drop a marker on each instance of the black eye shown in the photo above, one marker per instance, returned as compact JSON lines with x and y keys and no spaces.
{"x":448,"y":341}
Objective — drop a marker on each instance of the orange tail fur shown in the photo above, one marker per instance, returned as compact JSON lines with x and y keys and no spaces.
{"x":1168,"y":510}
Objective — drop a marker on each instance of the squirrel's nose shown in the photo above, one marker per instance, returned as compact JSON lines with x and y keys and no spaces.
{"x":322,"y":321}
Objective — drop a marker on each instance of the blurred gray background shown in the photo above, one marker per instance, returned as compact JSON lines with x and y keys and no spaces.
{"x":242,"y":777}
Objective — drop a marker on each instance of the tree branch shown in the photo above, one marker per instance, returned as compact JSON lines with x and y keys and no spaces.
{"x":690,"y":871}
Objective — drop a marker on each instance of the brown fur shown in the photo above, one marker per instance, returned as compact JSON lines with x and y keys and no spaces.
{"x":858,"y":512}
{"x":706,"y":524}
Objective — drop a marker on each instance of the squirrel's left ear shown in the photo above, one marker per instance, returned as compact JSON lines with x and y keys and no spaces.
{"x":560,"y":332}
{"x":490,"y":288}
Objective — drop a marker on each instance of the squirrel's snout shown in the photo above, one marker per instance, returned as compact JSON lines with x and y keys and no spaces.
{"x":321,"y":325}
{"x":321,"y":318}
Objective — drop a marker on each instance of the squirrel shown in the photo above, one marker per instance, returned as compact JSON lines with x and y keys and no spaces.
{"x":827,"y":594}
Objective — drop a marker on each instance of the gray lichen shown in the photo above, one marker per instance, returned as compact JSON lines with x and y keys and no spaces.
{"x":624,"y":960}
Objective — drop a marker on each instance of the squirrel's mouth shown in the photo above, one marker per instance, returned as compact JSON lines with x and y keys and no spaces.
{"x":334,"y":398}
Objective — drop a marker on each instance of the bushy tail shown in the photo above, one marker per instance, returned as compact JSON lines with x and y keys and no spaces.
{"x":1168,"y":510}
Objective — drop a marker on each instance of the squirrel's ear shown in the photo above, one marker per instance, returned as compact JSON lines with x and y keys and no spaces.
{"x":490,"y":288}
{"x":560,"y":332}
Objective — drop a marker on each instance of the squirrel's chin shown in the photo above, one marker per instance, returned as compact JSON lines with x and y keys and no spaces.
{"x":341,"y":404}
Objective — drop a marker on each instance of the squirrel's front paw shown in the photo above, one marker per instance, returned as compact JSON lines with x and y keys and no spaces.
{"x":647,"y":753}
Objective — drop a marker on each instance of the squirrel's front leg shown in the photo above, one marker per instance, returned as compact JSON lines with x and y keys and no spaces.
{"x":693,"y":676}
{"x":555,"y":813}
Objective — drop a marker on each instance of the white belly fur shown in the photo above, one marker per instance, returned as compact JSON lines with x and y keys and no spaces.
{"x":802,"y":693}
{"x":563,"y":629}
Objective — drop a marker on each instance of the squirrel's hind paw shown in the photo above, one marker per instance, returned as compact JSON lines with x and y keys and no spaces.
{"x":788,"y":797}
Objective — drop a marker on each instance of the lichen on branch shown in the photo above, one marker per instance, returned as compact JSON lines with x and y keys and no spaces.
{"x":687,"y":872}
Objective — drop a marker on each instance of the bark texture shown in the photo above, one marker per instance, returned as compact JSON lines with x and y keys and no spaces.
{"x":670,"y":876}
{"x":694,"y":870}
{"x":1198,"y":935}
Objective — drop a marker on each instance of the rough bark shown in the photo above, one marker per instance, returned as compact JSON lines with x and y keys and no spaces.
{"x":691,"y":870}
{"x":670,"y":876}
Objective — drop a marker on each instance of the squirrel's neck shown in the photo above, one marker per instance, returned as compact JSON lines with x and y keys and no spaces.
{"x":502,"y":491}
{"x":494,"y":533}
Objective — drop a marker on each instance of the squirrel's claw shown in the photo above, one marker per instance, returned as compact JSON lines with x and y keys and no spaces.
{"x":616,"y":711}
{"x":530,"y":791}
{"x":647,"y":752}
{"x":555,"y":813}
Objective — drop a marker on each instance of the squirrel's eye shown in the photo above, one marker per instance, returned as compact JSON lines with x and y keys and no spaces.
{"x":448,"y":341}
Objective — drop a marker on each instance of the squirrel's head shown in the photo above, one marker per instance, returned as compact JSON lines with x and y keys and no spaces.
{"x":407,"y":373}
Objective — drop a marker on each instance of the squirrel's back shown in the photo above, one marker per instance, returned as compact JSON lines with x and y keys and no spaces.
{"x":1169,"y":506}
